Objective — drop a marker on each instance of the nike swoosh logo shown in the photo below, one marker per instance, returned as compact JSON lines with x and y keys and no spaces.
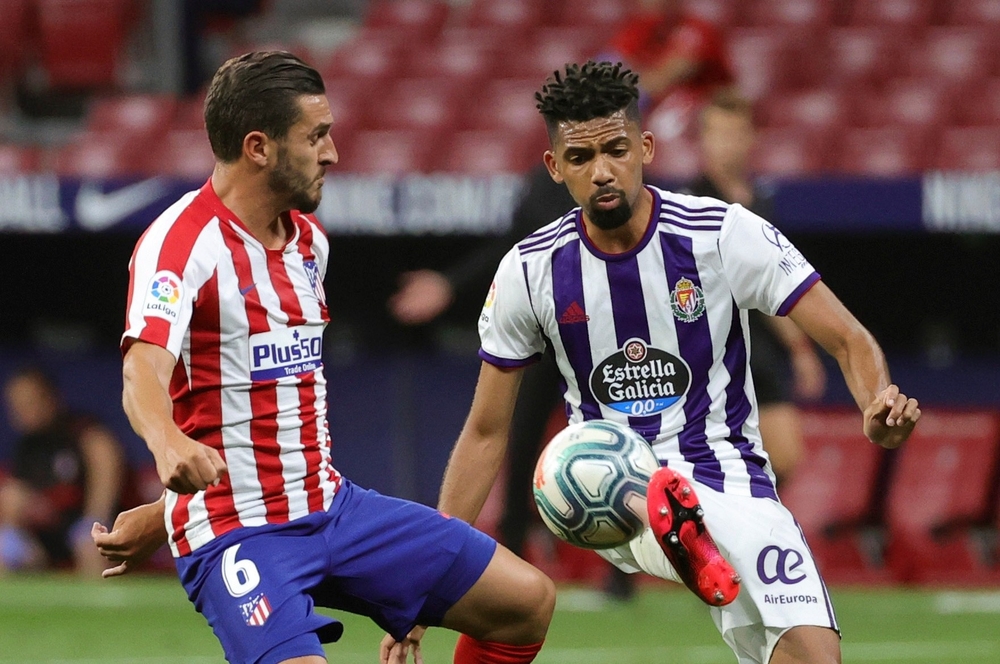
{"x":97,"y":210}
{"x":244,"y":291}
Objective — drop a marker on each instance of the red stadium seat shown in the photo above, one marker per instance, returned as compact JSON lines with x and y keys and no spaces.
{"x":508,"y":15}
{"x":350,"y":100}
{"x":907,"y":102}
{"x":372,"y":55}
{"x":181,"y":154}
{"x":969,"y":149}
{"x":13,"y":36}
{"x":909,"y":14}
{"x":956,"y":54}
{"x":550,"y":50}
{"x":606,"y":14}
{"x":81,"y":41}
{"x":508,"y":105}
{"x":819,"y":108}
{"x":422,"y":19}
{"x":758,"y":58}
{"x":941,"y":488}
{"x":17,"y":159}
{"x":865,"y":55}
{"x":418,"y":103}
{"x":979,"y":103}
{"x":973,"y":12}
{"x":139,"y":114}
{"x":674,"y":160}
{"x":190,"y":115}
{"x":468,"y":60}
{"x":835,"y":496}
{"x":490,"y":152}
{"x":789,"y":151}
{"x":388,"y":152}
{"x":721,"y":13}
{"x":791,"y":13}
{"x":102,"y":155}
{"x":881,"y":152}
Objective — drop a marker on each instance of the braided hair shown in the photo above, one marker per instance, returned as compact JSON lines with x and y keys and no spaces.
{"x":588,"y":91}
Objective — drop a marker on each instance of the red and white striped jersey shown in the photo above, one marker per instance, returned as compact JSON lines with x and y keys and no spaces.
{"x":246,"y":326}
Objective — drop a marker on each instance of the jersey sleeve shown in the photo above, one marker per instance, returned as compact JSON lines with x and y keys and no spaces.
{"x":508,"y":328}
{"x":165,"y":274}
{"x":764,"y":269}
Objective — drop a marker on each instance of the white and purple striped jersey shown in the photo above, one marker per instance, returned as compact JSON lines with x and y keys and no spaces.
{"x":246,"y":326}
{"x":656,"y":337}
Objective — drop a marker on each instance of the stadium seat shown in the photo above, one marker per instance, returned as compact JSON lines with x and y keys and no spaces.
{"x":790,"y":151}
{"x":138,"y":114}
{"x":80,"y":41}
{"x":721,"y":13}
{"x":190,"y":114}
{"x":490,"y":152}
{"x":418,"y":103}
{"x":956,"y":54}
{"x":18,"y":159}
{"x":466,"y":60}
{"x":13,"y":37}
{"x":910,"y":14}
{"x":907,"y":102}
{"x":422,"y":19}
{"x":350,"y":100}
{"x":106,"y":154}
{"x":865,"y":55}
{"x":979,"y":103}
{"x":791,"y":13}
{"x":388,"y":152}
{"x":883,"y":151}
{"x":181,"y":154}
{"x":509,"y":15}
{"x":835,"y":496}
{"x":976,"y":13}
{"x":758,"y":58}
{"x":942,"y":488}
{"x":506,"y":104}
{"x":969,"y":149}
{"x":606,"y":14}
{"x":551,"y":49}
{"x":818,"y":108}
{"x":372,"y":55}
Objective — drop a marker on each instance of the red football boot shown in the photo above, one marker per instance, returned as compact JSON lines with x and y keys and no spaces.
{"x":677,"y":520}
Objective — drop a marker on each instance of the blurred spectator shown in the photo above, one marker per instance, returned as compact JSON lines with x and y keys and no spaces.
{"x":681,"y":60}
{"x":197,"y":18}
{"x":67,"y":473}
{"x":778,"y":346}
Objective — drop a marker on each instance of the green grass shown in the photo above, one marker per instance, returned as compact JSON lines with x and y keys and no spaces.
{"x":148,"y":620}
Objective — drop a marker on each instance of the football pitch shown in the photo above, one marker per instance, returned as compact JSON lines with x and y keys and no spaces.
{"x":148,"y":620}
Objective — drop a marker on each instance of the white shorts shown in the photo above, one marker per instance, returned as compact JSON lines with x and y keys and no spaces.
{"x":781,"y":587}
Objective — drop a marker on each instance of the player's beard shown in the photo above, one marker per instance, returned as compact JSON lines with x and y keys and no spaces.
{"x":609,"y":220}
{"x":285,"y":180}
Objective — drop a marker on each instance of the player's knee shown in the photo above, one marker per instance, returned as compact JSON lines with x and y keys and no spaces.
{"x":807,"y":645}
{"x":545,"y":605}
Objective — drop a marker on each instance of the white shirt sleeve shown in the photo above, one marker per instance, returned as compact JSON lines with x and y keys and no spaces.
{"x":764,"y":269}
{"x":508,"y":327}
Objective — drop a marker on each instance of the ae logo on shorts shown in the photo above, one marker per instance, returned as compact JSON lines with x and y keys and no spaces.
{"x":777,"y":564}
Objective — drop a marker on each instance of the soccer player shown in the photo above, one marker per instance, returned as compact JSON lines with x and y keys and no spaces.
{"x":224,"y":382}
{"x":643,"y":294}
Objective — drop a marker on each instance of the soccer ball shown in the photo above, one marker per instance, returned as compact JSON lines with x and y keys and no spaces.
{"x":590,"y":483}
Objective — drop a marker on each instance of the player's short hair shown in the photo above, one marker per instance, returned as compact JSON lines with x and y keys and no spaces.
{"x":256,"y":91}
{"x":730,"y":100}
{"x":588,"y":91}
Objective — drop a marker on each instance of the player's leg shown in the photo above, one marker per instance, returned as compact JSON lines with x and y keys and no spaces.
{"x":781,"y":432}
{"x":807,"y":644}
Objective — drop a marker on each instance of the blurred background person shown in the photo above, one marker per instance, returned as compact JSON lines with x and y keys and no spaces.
{"x":67,"y":472}
{"x":779,"y":349}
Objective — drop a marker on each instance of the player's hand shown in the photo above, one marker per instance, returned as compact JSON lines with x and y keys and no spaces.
{"x":187,"y":466}
{"x":136,"y":535}
{"x":392,"y":651}
{"x":890,"y":418}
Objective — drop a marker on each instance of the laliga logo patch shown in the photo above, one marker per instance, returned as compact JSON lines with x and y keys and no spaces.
{"x":312,"y":271}
{"x":492,"y":295}
{"x":640,"y":380}
{"x":687,"y":301}
{"x":163,"y":299}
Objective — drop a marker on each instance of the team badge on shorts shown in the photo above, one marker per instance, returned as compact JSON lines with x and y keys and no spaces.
{"x":687,"y":301}
{"x":256,"y":611}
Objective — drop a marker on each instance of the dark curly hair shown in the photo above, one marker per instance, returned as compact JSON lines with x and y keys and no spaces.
{"x":588,"y":91}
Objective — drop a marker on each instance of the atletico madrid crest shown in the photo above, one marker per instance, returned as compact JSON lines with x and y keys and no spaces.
{"x":256,"y":611}
{"x":687,"y":301}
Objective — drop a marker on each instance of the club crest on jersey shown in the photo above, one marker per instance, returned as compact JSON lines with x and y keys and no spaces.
{"x":256,"y":611}
{"x":687,"y":301}
{"x":163,"y":298}
{"x":640,"y":380}
{"x":292,"y":351}
{"x":315,"y":280}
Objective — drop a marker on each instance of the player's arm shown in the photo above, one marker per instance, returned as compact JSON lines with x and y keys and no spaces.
{"x":479,"y":451}
{"x":183,"y":464}
{"x":889,"y":416}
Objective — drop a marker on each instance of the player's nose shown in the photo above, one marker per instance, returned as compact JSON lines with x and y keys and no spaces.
{"x":329,"y":155}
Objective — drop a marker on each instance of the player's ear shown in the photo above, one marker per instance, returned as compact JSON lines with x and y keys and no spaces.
{"x":552,"y":165}
{"x":648,"y":147}
{"x":257,"y":146}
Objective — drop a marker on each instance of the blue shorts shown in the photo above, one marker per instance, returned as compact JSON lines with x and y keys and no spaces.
{"x":400,"y":563}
